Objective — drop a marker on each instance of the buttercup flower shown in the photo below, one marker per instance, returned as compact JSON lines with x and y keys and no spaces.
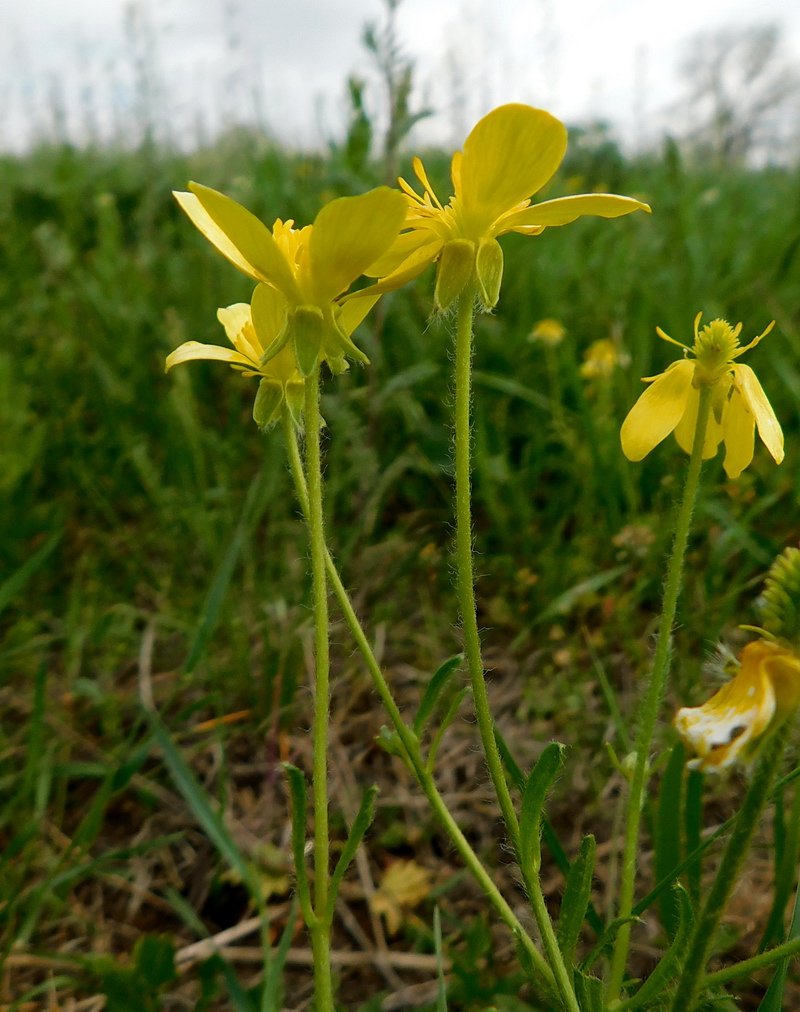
{"x":281,"y":382}
{"x":509,"y":155}
{"x":548,"y":331}
{"x":727,"y":728}
{"x":310,"y":268}
{"x":601,"y":358}
{"x":738,"y":402}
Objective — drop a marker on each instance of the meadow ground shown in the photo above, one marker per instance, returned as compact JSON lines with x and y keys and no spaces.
{"x":152,"y":553}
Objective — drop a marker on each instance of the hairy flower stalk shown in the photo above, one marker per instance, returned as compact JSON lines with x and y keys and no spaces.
{"x":409,"y":740}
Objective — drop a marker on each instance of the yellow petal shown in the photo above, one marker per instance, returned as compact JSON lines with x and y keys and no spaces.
{"x":238,"y":325}
{"x":756,"y":400}
{"x":203,"y":221}
{"x":721,"y":730}
{"x":353,"y":312}
{"x":739,"y":428}
{"x":684,"y":430}
{"x":249,"y":238}
{"x":194,"y":350}
{"x":349,"y":235}
{"x":657,"y":411}
{"x":509,"y":154}
{"x":566,"y":209}
{"x":403,"y":247}
{"x":409,"y":269}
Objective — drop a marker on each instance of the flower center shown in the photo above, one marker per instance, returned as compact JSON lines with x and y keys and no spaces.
{"x":714,"y":347}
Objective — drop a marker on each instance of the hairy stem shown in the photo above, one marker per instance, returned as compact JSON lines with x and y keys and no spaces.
{"x":409,"y":739}
{"x":321,"y":929}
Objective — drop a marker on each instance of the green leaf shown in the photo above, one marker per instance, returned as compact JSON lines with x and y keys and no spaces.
{"x":14,"y":584}
{"x":605,"y":941}
{"x":199,"y":805}
{"x":548,"y":833}
{"x":576,"y":898}
{"x":588,"y":991}
{"x":447,"y":720}
{"x":434,"y":689}
{"x":655,"y":987}
{"x":272,"y":997}
{"x":693,"y":828}
{"x":533,"y":800}
{"x":441,"y":999}
{"x":154,"y":960}
{"x":565,"y":602}
{"x":297,"y":790}
{"x":361,"y":823}
{"x":773,"y":999}
{"x":668,"y":836}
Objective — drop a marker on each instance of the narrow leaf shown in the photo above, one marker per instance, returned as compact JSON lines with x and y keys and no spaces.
{"x":273,"y":982}
{"x":434,"y":689}
{"x":655,"y":986}
{"x":447,"y":720}
{"x":14,"y":584}
{"x":361,"y":823}
{"x":558,"y":853}
{"x":533,"y":800}
{"x":575,"y":901}
{"x":605,"y":941}
{"x":693,"y":828}
{"x":589,"y":992}
{"x":297,"y":790}
{"x":441,"y":998}
{"x":668,"y":836}
{"x":197,"y":800}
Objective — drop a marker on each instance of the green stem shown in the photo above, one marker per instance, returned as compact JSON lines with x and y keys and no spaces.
{"x":321,"y":928}
{"x":466,"y":578}
{"x":472,"y":640}
{"x":749,"y":966}
{"x":407,"y":736}
{"x":716,"y":900}
{"x":654,"y":695}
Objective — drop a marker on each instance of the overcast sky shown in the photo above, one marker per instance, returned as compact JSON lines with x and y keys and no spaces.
{"x":285,"y":62}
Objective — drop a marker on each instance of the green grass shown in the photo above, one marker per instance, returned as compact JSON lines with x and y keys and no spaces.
{"x":134,"y":500}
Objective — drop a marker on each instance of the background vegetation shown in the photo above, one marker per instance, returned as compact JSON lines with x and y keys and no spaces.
{"x":151,"y":549}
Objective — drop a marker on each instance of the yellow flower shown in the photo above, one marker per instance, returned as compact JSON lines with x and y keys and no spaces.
{"x":281,"y":382}
{"x":601,"y":358}
{"x":509,"y":155}
{"x":765,"y":691}
{"x":310,"y":268}
{"x":670,"y":403}
{"x":549,"y":332}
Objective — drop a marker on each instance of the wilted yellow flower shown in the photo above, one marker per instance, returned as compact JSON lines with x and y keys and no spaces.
{"x":601,"y":358}
{"x":310,"y":268}
{"x":548,"y":331}
{"x":281,"y":382}
{"x":738,"y":402}
{"x":728,"y":727}
{"x":509,"y":155}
